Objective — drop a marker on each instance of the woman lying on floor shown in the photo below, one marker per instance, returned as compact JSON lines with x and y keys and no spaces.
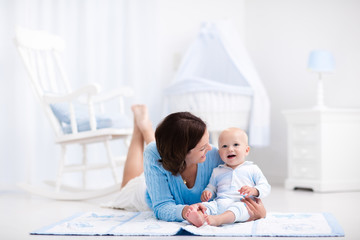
{"x":168,"y":175}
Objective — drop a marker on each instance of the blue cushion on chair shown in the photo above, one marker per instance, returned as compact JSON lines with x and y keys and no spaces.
{"x":62,"y":113}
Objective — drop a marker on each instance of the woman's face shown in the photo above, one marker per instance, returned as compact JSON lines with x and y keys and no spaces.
{"x":198,"y":153}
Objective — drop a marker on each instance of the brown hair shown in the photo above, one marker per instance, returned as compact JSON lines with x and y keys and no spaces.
{"x":175,"y":136}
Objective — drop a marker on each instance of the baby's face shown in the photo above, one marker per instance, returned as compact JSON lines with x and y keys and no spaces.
{"x":233,"y":147}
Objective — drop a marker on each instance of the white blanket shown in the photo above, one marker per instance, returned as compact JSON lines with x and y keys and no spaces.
{"x":122,"y":223}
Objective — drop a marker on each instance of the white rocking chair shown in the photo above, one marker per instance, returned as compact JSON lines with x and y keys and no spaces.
{"x":73,"y":120}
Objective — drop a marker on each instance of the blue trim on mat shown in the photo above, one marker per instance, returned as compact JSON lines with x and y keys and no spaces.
{"x":127,"y":220}
{"x":44,"y":230}
{"x":336,"y":230}
{"x":335,"y":226}
{"x":254,"y":228}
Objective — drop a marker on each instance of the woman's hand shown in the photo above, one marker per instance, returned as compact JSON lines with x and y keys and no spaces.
{"x":255,"y":208}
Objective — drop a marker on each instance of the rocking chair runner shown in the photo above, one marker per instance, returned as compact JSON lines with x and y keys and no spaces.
{"x":73,"y":120}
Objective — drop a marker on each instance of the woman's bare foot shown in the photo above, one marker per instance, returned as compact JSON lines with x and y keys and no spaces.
{"x":142,"y":121}
{"x":141,"y":116}
{"x":195,"y":217}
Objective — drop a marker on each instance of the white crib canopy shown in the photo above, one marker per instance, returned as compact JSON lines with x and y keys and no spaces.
{"x":218,"y":60}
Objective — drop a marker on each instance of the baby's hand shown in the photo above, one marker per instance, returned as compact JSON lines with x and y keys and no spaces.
{"x":205,"y":196}
{"x":250,"y":191}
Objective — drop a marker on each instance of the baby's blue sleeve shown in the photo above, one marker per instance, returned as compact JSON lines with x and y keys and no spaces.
{"x":211,"y":187}
{"x":261,"y":183}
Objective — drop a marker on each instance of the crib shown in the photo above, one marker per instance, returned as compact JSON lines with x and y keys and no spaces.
{"x":218,"y":82}
{"x":219,"y":105}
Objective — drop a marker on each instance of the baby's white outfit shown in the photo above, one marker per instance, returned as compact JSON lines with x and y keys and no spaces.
{"x":226,"y":182}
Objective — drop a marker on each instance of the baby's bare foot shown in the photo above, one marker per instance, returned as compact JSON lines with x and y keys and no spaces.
{"x":212,"y":220}
{"x":195,"y":217}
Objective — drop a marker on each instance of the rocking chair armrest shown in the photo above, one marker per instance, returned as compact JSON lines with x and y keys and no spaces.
{"x":90,"y":90}
{"x":118,"y":92}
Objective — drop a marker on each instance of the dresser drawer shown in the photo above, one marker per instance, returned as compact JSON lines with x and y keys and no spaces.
{"x":303,"y":152}
{"x":304,"y":170}
{"x":304,"y":133}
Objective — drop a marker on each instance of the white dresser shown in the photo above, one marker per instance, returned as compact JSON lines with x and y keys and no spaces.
{"x":323,"y":149}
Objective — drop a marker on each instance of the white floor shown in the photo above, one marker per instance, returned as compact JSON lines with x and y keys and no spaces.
{"x":21,"y":213}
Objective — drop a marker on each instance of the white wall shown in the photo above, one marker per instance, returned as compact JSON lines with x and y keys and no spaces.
{"x":279,"y":36}
{"x":130,"y":42}
{"x":158,"y":32}
{"x":178,"y":23}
